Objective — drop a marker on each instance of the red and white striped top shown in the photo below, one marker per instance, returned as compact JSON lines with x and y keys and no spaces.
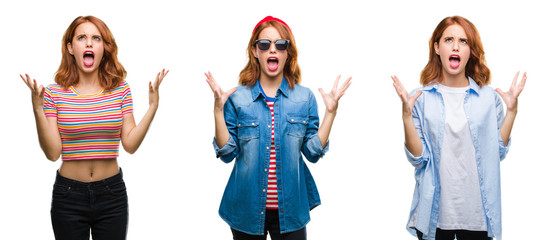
{"x":90,"y":125}
{"x":272,"y":201}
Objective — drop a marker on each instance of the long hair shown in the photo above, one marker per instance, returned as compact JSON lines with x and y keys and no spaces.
{"x":475,"y":67}
{"x":111,"y":72}
{"x":251,"y":73}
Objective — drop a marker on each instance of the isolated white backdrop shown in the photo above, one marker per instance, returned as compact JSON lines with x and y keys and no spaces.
{"x":174,"y":181}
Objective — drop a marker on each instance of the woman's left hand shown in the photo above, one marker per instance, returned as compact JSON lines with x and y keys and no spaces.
{"x":510,"y":98}
{"x":331,"y":99}
{"x":154,"y":88}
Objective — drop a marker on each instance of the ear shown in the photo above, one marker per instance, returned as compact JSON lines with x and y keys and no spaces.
{"x":437,"y":48}
{"x":254,"y":52}
{"x":70,"y":50}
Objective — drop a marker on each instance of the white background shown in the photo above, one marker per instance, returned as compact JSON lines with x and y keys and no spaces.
{"x":174,"y":181}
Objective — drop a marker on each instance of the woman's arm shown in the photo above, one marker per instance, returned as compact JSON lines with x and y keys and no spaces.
{"x":412,"y":141}
{"x":132,"y":135}
{"x":48,"y":132}
{"x":510,"y":98}
{"x":331,"y":100}
{"x":221,"y":133}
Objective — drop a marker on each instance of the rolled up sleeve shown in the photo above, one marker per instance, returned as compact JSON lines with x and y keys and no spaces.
{"x":230,"y":150}
{"x":312,"y":147}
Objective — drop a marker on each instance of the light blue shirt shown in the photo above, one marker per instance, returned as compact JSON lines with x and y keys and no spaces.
{"x":484,"y":113}
{"x":248,"y":119}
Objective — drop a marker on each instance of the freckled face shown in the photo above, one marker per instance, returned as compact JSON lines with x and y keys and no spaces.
{"x":271,"y":61}
{"x":87,"y":47}
{"x":453,"y":50}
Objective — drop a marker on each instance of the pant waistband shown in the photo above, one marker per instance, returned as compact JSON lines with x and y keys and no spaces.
{"x":100,"y":183}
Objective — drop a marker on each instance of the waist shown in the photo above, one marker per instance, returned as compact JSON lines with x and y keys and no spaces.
{"x":89,"y":170}
{"x":73,"y":183}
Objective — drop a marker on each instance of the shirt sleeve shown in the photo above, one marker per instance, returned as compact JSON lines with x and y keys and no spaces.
{"x":126,"y":100}
{"x":50,"y":109}
{"x":503,"y":150}
{"x":230,"y":150}
{"x":312,"y":147}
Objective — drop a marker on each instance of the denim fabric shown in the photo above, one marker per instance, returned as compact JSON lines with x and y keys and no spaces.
{"x":248,"y":119}
{"x":484,"y":112}
{"x":100,"y":206}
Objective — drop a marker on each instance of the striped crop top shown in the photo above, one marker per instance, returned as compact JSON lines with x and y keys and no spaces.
{"x":90,"y":125}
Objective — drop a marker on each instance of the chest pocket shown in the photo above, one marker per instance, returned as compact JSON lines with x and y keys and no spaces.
{"x":297,"y":125}
{"x":248,"y":128}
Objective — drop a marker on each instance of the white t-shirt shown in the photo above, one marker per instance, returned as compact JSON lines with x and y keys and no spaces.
{"x":460,"y":197}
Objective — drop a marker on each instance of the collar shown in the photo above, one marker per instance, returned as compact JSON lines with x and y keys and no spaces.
{"x":256,"y":92}
{"x":473,"y":86}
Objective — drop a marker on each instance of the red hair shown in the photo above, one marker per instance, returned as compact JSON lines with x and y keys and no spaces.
{"x":251,"y":73}
{"x":111,"y":72}
{"x":475,"y":67}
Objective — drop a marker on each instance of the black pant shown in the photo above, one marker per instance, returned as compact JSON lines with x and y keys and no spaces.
{"x":461,"y":235}
{"x":271,"y":226}
{"x":78,"y":207}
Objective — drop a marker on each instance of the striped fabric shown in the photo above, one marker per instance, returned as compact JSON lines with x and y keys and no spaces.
{"x":90,"y":125}
{"x":272,"y":201}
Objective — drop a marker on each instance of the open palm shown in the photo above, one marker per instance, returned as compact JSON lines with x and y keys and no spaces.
{"x":331,"y":99}
{"x":510,"y":97}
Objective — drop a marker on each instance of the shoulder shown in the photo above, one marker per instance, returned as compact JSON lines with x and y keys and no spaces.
{"x":242,"y":95}
{"x":301,"y":92}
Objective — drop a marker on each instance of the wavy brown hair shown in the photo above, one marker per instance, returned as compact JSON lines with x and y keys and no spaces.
{"x":475,"y":67}
{"x":111,"y":72}
{"x":251,"y":73}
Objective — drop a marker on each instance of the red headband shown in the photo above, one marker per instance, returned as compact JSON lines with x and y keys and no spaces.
{"x":270,"y":18}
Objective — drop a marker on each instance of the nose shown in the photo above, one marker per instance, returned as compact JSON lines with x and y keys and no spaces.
{"x":89,"y":42}
{"x":456,"y":46}
{"x":272,"y":48}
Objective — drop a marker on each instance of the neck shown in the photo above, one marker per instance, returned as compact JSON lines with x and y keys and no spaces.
{"x":270,"y":85}
{"x":88,"y":82}
{"x":458,"y":80}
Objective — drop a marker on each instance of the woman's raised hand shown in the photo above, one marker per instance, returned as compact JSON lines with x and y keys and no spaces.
{"x":510,"y":98}
{"x":220,"y":97}
{"x":407,"y":101}
{"x":331,"y":99}
{"x":154,"y":88}
{"x":37,"y":92}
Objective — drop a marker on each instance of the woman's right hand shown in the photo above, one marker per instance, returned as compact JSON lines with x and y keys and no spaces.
{"x":407,"y":101}
{"x":220,"y":97}
{"x":37,"y":92}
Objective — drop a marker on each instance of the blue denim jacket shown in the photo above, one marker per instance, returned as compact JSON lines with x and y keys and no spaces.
{"x":484,"y":112}
{"x":248,"y":119}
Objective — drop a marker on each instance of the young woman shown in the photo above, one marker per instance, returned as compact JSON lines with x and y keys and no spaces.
{"x":456,"y":134}
{"x":266,"y":123}
{"x":83,"y":117}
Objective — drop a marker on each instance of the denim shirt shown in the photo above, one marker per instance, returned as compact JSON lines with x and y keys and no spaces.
{"x":484,"y":113}
{"x":248,"y":119}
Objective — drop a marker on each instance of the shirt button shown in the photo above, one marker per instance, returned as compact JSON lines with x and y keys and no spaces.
{"x":292,"y":120}
{"x":264,"y":189}
{"x":239,"y":124}
{"x":252,"y":124}
{"x":282,"y":210}
{"x":265,"y":169}
{"x":266,"y":147}
{"x":280,"y":188}
{"x":278,"y":146}
{"x":268,"y":126}
{"x":262,"y":213}
{"x":303,"y":121}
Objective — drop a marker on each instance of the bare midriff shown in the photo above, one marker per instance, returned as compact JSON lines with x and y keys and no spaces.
{"x":89,"y":170}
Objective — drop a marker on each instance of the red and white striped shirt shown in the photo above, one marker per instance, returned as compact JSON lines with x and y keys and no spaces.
{"x":272,"y":201}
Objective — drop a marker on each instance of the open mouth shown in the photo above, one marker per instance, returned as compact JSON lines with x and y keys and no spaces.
{"x":272,"y":64}
{"x":454,"y":61}
{"x":88,"y":58}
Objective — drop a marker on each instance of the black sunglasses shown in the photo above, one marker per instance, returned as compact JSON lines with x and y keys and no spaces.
{"x":280,"y":44}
